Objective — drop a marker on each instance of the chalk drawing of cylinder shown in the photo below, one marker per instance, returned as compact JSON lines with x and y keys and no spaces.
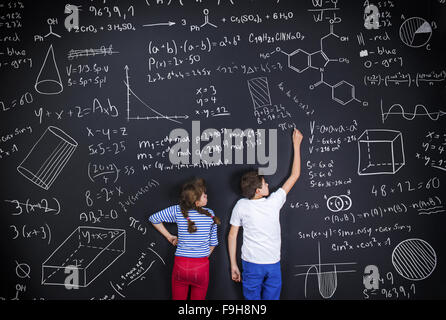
{"x":48,"y":157}
{"x":48,"y":81}
{"x":259,"y":90}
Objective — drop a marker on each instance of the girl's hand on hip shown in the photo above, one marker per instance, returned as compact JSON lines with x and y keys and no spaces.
{"x":173,"y":240}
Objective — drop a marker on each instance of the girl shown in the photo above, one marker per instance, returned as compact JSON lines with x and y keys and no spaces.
{"x":197,"y":238}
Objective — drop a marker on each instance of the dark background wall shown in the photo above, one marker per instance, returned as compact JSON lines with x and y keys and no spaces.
{"x":85,"y":118}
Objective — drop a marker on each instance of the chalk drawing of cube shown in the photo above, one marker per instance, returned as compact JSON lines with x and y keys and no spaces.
{"x":380,"y":152}
{"x":89,"y":251}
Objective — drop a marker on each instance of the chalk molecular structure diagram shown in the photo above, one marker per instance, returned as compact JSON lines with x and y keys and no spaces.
{"x":299,"y":60}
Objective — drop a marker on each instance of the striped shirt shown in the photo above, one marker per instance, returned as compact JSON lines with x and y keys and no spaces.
{"x":192,"y":245}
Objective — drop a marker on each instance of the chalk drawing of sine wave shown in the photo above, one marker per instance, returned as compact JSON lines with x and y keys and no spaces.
{"x":420,"y":110}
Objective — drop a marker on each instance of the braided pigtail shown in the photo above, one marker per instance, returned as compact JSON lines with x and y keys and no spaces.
{"x":187,"y":202}
{"x":206,"y":212}
{"x":190,"y":194}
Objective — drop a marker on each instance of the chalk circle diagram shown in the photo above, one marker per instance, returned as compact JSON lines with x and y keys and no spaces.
{"x":48,"y":81}
{"x":415,"y":32}
{"x":48,"y":157}
{"x":414,"y":259}
{"x":339,"y":203}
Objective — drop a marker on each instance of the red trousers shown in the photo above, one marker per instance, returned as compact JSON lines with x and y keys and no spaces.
{"x":190,"y":273}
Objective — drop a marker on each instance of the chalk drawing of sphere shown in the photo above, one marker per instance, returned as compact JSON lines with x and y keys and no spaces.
{"x":414,"y":259}
{"x":339,"y":203}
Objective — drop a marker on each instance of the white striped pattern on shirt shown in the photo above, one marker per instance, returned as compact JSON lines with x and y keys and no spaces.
{"x":192,"y":245}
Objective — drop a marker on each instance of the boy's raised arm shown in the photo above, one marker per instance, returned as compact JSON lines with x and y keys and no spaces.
{"x":295,"y":171}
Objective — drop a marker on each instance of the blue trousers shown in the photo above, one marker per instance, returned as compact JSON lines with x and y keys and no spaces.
{"x":261,"y":281}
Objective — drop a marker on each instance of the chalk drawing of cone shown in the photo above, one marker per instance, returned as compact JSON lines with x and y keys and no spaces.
{"x":48,"y":157}
{"x":48,"y":81}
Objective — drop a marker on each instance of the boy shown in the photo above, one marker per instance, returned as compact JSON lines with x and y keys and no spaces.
{"x":259,"y":217}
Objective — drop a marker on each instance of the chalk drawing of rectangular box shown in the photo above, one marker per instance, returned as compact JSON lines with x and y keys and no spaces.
{"x":380,"y":152}
{"x":89,"y":251}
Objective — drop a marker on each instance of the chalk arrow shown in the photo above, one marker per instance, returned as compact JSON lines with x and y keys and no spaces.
{"x":170,"y":23}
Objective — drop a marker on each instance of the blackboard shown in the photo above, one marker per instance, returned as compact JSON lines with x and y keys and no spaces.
{"x":90,"y":93}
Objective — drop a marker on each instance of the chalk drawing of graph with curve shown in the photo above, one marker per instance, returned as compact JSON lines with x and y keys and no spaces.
{"x":414,"y":259}
{"x":48,"y":157}
{"x":419,"y":111}
{"x":144,"y":106}
{"x":327,"y":274}
{"x":380,"y":152}
{"x":89,"y":251}
{"x":259,"y":90}
{"x":48,"y":81}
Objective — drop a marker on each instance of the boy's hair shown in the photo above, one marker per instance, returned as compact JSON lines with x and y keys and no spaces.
{"x":250,"y":182}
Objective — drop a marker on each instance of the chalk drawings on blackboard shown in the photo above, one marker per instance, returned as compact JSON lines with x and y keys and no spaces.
{"x":299,"y":60}
{"x":414,"y":259}
{"x":320,"y":11}
{"x":91,"y":250}
{"x":48,"y":157}
{"x":143,"y":265}
{"x":48,"y":81}
{"x":419,"y":111}
{"x":158,"y":116}
{"x":360,"y":38}
{"x":51,"y":22}
{"x":232,"y":2}
{"x":380,"y":152}
{"x":22,"y":270}
{"x":318,"y":60}
{"x":339,"y":203}
{"x":259,"y":90}
{"x":206,"y":19}
{"x":74,"y":54}
{"x":327,"y":280}
{"x":429,"y":211}
{"x":170,"y":23}
{"x":343,"y":92}
{"x":415,"y":32}
{"x":162,"y":2}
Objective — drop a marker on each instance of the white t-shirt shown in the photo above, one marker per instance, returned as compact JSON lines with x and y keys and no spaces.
{"x":261,"y":227}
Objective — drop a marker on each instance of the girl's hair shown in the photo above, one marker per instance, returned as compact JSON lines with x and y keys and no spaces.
{"x":190,"y":193}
